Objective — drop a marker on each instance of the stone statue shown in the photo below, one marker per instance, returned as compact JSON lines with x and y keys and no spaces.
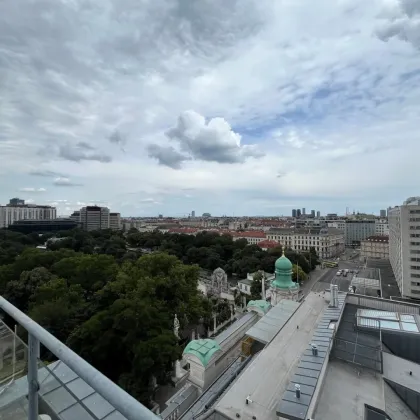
{"x":176,"y":327}
{"x":219,"y":280}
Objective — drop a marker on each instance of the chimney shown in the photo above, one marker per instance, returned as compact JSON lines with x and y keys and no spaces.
{"x":297,"y":390}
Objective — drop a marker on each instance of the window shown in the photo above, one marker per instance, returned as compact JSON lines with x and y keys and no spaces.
{"x":415,"y":243}
{"x":414,"y":211}
{"x":415,"y":251}
{"x":415,"y":276}
{"x":414,"y":235}
{"x":415,"y":267}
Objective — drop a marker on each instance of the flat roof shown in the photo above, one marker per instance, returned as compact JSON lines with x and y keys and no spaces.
{"x":346,"y":390}
{"x":389,"y":285}
{"x":268,"y":375}
{"x":273,"y":321}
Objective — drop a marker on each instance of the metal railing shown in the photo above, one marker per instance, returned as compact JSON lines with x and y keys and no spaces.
{"x":116,"y":396}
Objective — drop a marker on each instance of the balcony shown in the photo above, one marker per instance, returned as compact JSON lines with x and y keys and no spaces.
{"x":67,"y":389}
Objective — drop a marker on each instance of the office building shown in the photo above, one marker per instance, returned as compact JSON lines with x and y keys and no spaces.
{"x":17,"y":210}
{"x":115,"y":221}
{"x":193,"y":213}
{"x":303,"y":212}
{"x":75,"y":216}
{"x":312,"y":213}
{"x":358,"y":230}
{"x":294,"y":213}
{"x":381,"y":227}
{"x":298,"y":213}
{"x":94,"y":218}
{"x":41,"y":226}
{"x":404,"y":246}
{"x":382,"y":213}
{"x":318,"y":214}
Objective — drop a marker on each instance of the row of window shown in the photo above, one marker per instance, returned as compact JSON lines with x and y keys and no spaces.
{"x":414,"y":251}
{"x":414,"y":219}
{"x":414,"y":211}
{"x":415,"y":267}
{"x":414,"y":235}
{"x":415,"y":243}
{"x":415,"y":259}
{"x":415,"y":227}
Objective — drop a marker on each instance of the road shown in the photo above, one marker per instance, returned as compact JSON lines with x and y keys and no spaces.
{"x":330,"y":277}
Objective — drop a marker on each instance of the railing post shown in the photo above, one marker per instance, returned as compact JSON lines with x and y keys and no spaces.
{"x":33,"y":385}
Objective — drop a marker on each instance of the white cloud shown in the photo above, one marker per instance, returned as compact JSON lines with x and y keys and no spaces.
{"x":309,"y":88}
{"x":64,"y":182}
{"x":32,"y":190}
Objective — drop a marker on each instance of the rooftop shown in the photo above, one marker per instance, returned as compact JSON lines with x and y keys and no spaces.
{"x":267,"y":376}
{"x":377,"y":238}
{"x":389,"y":286}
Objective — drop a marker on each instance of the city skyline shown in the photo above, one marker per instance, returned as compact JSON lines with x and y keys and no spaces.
{"x":239,"y":115}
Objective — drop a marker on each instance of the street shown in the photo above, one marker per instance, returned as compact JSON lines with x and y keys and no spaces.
{"x":330,"y":277}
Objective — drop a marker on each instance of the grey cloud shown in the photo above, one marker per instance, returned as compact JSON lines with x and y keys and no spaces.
{"x":84,"y":145}
{"x":78,"y":154}
{"x":65,"y":182}
{"x":119,"y":139}
{"x":405,"y":25}
{"x":214,"y":141}
{"x":166,"y":155}
{"x":45,"y":173}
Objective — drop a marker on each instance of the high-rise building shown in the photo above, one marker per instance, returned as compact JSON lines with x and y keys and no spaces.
{"x":358,"y":230}
{"x":404,"y":246}
{"x":17,"y":210}
{"x":298,"y":213}
{"x":94,"y":217}
{"x":318,"y":214}
{"x":115,"y":221}
{"x":382,"y":213}
{"x":312,"y":213}
{"x":303,"y":211}
{"x":294,"y":213}
{"x":193,"y":213}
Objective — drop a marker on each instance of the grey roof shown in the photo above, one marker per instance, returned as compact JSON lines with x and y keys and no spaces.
{"x":72,"y":398}
{"x":246,"y":281}
{"x":273,"y":321}
{"x":389,"y":285}
{"x":230,"y":331}
{"x":309,"y":368}
{"x":268,"y":374}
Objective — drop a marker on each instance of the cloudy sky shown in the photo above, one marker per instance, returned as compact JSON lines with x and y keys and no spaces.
{"x":224,"y":106}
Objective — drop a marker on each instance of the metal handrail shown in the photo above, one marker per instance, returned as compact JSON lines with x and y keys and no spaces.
{"x":116,"y":396}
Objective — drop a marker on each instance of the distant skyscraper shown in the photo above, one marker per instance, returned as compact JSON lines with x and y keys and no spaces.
{"x":312,"y":213}
{"x":318,"y":214}
{"x":294,"y":213}
{"x":298,"y":213}
{"x":382,"y":213}
{"x":304,"y":211}
{"x":193,"y":213}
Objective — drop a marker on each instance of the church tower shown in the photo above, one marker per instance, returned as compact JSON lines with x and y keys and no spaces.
{"x":283,"y":287}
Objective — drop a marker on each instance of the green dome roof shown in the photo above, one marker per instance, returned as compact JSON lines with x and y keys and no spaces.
{"x":261,"y":305}
{"x":203,"y":349}
{"x":283,"y":264}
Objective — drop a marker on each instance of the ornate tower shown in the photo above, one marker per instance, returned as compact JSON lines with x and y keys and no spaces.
{"x":283,"y":287}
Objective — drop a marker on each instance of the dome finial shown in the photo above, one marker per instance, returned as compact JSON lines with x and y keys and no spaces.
{"x":283,"y":253}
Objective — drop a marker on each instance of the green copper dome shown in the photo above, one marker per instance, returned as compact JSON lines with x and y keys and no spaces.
{"x":203,"y":349}
{"x":284,"y":271}
{"x":283,"y":264}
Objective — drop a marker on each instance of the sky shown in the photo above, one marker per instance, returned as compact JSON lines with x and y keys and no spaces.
{"x":239,"y":107}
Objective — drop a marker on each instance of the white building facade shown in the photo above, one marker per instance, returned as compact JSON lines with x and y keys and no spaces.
{"x":376,"y":247}
{"x":404,"y":246}
{"x":115,"y":221}
{"x":11,"y":213}
{"x":328,"y":242}
{"x":381,"y":227}
{"x":94,"y":218}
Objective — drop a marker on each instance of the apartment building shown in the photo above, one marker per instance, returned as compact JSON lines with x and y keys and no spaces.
{"x":404,"y":246}
{"x":376,"y":247}
{"x":358,"y":230}
{"x":115,"y":221}
{"x":339,"y":224}
{"x":253,"y":237}
{"x":17,"y":210}
{"x":381,"y":227}
{"x":328,"y":242}
{"x":94,"y":218}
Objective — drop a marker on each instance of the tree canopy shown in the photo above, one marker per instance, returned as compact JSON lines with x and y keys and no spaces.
{"x":112,"y":296}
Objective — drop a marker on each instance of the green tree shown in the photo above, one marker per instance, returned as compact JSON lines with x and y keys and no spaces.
{"x":256,"y":286}
{"x":298,"y":274}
